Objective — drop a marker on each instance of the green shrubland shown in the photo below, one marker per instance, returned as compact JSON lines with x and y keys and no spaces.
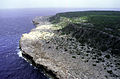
{"x":106,"y":21}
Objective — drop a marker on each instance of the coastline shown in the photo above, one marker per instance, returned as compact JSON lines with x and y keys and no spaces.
{"x":29,"y":57}
{"x":39,"y":46}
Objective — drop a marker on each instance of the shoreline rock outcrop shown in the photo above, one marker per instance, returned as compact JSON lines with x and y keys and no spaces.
{"x":63,"y":57}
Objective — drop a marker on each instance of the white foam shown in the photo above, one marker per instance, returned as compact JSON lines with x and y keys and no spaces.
{"x":20,"y":53}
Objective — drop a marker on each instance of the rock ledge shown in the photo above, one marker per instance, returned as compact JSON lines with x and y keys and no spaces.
{"x":61,"y":55}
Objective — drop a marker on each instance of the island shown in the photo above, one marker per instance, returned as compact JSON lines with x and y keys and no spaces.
{"x":75,"y":45}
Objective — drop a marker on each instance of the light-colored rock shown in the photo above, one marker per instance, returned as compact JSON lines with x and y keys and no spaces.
{"x":47,"y":48}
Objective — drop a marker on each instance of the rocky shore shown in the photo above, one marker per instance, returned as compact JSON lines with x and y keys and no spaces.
{"x":63,"y":56}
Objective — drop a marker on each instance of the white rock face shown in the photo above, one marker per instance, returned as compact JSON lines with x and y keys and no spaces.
{"x":53,"y":51}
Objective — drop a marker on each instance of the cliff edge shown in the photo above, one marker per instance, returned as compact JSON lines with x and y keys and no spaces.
{"x":63,"y":56}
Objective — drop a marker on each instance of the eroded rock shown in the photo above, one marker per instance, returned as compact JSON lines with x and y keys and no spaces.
{"x":62,"y":55}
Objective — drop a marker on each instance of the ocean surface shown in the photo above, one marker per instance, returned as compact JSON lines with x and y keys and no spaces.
{"x":14,"y":23}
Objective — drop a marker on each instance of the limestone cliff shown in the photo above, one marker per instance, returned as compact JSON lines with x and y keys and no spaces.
{"x":63,"y":56}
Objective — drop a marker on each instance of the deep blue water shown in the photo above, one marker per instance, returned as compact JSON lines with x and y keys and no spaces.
{"x":13,"y":23}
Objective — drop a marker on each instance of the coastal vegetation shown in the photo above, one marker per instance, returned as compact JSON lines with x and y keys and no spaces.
{"x":99,"y":29}
{"x":76,"y":44}
{"x":106,"y":21}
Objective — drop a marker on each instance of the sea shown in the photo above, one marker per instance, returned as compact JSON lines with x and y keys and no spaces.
{"x":14,"y":23}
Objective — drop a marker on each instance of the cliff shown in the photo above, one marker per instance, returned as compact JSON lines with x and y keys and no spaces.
{"x":69,"y":51}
